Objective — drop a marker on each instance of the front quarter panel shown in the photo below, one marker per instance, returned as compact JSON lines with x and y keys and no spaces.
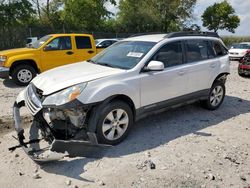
{"x":99,"y":90}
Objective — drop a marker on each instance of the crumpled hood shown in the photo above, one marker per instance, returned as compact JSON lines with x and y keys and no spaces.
{"x":16,"y":51}
{"x":69,"y":75}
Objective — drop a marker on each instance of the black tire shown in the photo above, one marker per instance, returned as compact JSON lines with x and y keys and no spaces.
{"x":102,"y":112}
{"x":208,"y":103}
{"x":31,"y":73}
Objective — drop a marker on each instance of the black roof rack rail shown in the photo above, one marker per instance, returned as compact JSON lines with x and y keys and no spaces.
{"x":192,"y":33}
{"x":149,"y":33}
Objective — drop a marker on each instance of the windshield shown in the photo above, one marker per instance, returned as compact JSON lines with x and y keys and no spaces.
{"x":41,"y":41}
{"x":240,"y":46}
{"x":124,"y":54}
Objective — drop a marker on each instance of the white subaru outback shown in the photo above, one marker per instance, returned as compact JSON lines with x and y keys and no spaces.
{"x":94,"y":104}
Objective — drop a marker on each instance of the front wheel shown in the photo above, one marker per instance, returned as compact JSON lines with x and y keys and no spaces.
{"x":114,"y":122}
{"x":216,"y":96}
{"x":23,"y":74}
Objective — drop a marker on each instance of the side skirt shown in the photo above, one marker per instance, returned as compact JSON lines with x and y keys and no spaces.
{"x":171,"y":103}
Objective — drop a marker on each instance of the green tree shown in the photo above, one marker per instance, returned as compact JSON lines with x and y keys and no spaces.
{"x":15,"y":16}
{"x":154,"y":15}
{"x":220,"y":16}
{"x":85,"y":14}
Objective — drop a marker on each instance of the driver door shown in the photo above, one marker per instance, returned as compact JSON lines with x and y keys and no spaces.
{"x":160,"y":86}
{"x":57,"y":52}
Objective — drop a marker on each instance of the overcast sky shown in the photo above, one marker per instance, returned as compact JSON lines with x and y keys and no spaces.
{"x":242,"y":9}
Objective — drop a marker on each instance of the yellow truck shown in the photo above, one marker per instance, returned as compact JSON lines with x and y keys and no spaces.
{"x":51,"y":51}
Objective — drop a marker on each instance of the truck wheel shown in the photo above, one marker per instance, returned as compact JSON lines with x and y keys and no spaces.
{"x":23,"y":74}
{"x":216,"y":96}
{"x":114,"y":122}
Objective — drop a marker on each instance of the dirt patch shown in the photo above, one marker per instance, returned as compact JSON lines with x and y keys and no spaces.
{"x":183,"y":147}
{"x":7,"y":123}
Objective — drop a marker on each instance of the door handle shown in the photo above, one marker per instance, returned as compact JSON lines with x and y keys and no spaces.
{"x":69,"y":53}
{"x":90,"y":51}
{"x":181,"y":73}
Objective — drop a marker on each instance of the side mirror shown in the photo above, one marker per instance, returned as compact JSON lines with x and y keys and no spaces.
{"x":155,"y":66}
{"x":47,"y":48}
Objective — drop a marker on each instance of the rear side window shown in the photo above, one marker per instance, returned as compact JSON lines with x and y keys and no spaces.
{"x":83,"y":42}
{"x":170,"y":54}
{"x":196,"y":50}
{"x":219,"y":49}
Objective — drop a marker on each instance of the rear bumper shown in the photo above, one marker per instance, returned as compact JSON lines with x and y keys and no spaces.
{"x":4,"y":72}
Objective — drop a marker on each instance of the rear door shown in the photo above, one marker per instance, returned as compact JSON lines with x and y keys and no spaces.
{"x":84,"y":47}
{"x":202,"y":64}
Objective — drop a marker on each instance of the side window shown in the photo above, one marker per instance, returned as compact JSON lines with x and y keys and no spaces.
{"x":83,"y":42}
{"x":60,"y":43}
{"x":219,"y":49}
{"x":196,"y":50}
{"x":170,"y":54}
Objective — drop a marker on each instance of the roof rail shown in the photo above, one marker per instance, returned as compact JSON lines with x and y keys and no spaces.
{"x":149,"y":33}
{"x":192,"y":33}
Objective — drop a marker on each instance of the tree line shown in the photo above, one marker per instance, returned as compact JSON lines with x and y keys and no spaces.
{"x":23,"y":18}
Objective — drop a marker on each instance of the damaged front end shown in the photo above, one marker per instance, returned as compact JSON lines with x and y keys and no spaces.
{"x":56,"y":131}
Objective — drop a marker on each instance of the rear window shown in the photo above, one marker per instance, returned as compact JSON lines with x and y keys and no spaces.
{"x":83,"y":42}
{"x":219,"y":49}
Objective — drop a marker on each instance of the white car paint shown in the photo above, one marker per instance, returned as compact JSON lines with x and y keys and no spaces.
{"x":142,"y":88}
{"x":237,"y":53}
{"x":69,"y":75}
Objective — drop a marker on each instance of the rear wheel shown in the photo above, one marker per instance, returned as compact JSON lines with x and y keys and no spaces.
{"x":216,"y":96}
{"x":114,"y":123}
{"x":23,"y":74}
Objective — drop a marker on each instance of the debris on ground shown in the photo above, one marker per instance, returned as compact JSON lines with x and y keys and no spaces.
{"x":36,"y":176}
{"x":68,"y":182}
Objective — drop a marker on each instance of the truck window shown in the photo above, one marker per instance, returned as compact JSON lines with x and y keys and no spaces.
{"x":60,"y":43}
{"x":83,"y":42}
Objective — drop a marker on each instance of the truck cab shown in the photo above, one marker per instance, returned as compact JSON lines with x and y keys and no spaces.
{"x":50,"y":51}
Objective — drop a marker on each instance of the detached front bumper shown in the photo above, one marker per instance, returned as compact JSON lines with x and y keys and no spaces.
{"x":4,"y":72}
{"x":58,"y":149}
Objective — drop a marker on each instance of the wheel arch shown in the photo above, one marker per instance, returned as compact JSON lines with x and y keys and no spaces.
{"x":123,"y":98}
{"x":24,"y":62}
{"x":221,"y":77}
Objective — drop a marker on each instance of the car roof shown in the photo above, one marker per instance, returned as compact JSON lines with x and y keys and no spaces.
{"x":182,"y":34}
{"x":147,"y":38}
{"x":69,"y":34}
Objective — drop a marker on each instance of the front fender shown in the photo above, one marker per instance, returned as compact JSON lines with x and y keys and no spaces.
{"x":21,"y":57}
{"x":100,"y":93}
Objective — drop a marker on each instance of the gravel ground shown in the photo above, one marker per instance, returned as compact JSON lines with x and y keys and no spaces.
{"x":184,"y":147}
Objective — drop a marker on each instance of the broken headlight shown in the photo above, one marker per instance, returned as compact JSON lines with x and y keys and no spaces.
{"x":65,"y":96}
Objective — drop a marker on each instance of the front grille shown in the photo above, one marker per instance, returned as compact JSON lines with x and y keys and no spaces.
{"x":32,"y":101}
